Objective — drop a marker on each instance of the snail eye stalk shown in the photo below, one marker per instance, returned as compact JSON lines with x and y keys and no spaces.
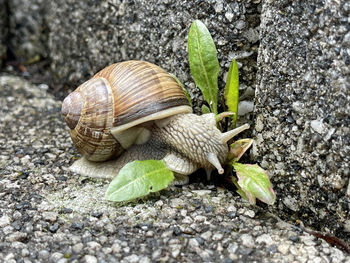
{"x":225,"y":137}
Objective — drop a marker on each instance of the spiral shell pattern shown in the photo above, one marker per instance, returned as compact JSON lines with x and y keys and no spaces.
{"x":122,"y":94}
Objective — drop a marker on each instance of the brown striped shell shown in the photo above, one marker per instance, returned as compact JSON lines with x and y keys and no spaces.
{"x":115,"y":102}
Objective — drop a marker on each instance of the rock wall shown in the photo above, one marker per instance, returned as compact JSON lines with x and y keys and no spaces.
{"x":28,"y":29}
{"x":85,"y":36}
{"x":302,"y":111}
{"x":3,"y":30}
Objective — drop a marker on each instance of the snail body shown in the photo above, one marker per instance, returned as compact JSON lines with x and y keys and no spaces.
{"x":134,"y":110}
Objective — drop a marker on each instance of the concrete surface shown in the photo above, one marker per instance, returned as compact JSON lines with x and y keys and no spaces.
{"x":302,"y":110}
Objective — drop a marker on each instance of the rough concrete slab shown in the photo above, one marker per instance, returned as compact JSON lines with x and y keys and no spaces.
{"x":48,"y":214}
{"x":28,"y":29}
{"x":302,"y":126}
{"x":86,"y":36}
{"x":3,"y":30}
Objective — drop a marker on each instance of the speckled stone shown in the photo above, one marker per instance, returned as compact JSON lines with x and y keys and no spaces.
{"x":302,"y":109}
{"x":3,"y":30}
{"x":28,"y":29}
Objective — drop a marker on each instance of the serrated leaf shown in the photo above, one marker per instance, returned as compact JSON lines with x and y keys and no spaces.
{"x":232,"y":91}
{"x":255,"y":183}
{"x":139,"y":178}
{"x":238,"y":148}
{"x":204,"y":63}
{"x":183,"y":88}
{"x":205,"y":109}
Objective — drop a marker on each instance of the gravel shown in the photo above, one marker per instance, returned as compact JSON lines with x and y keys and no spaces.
{"x":174,"y":225}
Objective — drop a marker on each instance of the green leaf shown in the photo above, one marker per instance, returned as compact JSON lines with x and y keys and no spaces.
{"x":232,"y":91}
{"x":205,"y":109}
{"x":204,"y":63}
{"x":137,"y":179}
{"x":183,"y":88}
{"x":239,"y":189}
{"x":255,"y":183}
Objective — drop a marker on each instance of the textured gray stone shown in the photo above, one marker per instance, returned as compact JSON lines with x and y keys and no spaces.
{"x":86,"y":36}
{"x":28,"y":31}
{"x":3,"y":30}
{"x":302,"y":108}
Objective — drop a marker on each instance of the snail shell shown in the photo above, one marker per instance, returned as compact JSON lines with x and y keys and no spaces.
{"x":111,"y":111}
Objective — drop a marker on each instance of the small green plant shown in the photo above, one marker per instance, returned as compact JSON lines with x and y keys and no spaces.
{"x":139,"y":178}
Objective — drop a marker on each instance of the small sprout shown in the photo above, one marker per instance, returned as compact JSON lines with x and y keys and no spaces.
{"x":238,"y":148}
{"x":232,"y":91}
{"x":254,"y":182}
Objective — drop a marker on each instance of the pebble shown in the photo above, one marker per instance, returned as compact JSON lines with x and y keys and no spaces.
{"x":202,"y":192}
{"x":44,"y":254}
{"x":294,"y":238}
{"x":206,"y":235}
{"x":17,"y":236}
{"x":66,"y":210}
{"x":193,"y":242}
{"x":77,"y":248}
{"x":229,"y":16}
{"x":283,"y":248}
{"x":318,"y":126}
{"x":90,"y":259}
{"x":149,"y":233}
{"x":232,"y":214}
{"x":265,"y":238}
{"x":144,"y":259}
{"x":175,"y":252}
{"x":249,"y":213}
{"x":93,"y":245}
{"x":25,"y":252}
{"x":245,"y":107}
{"x":132,"y":258}
{"x":308,"y":240}
{"x":116,"y":248}
{"x":156,"y":254}
{"x":217,"y":236}
{"x":56,"y":256}
{"x":200,"y":218}
{"x":5,"y":220}
{"x":53,"y":228}
{"x":50,"y":216}
{"x":209,"y":209}
{"x":177,"y":203}
{"x":247,"y":240}
{"x":77,"y":226}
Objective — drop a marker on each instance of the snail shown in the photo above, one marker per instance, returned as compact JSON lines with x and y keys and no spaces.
{"x":135,"y":110}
